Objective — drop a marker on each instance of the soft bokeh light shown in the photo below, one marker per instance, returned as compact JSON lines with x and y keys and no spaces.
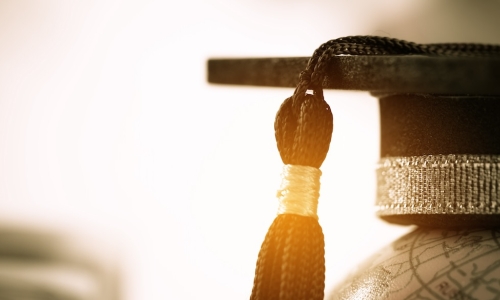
{"x":107,"y":126}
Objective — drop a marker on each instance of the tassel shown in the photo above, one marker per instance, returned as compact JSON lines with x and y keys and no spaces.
{"x":291,"y":262}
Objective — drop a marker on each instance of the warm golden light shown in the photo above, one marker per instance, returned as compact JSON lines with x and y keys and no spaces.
{"x":107,"y":125}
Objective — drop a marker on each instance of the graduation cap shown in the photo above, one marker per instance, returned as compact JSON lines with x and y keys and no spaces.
{"x":440,"y":138}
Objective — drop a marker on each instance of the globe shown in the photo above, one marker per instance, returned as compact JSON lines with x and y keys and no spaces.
{"x":429,"y":264}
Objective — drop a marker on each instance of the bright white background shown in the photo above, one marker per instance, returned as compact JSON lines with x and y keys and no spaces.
{"x":107,"y":126}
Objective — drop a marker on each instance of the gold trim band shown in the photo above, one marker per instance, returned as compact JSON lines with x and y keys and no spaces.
{"x":438,"y":184}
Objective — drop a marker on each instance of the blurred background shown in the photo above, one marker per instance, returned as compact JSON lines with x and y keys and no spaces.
{"x":109,"y":130}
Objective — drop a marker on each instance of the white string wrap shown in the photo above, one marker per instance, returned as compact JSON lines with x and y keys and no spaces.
{"x":299,"y":191}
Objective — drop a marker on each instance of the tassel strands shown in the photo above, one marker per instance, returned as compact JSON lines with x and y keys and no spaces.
{"x":291,"y":262}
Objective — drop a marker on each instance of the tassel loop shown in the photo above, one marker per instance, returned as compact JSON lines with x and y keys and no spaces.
{"x":303,"y":130}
